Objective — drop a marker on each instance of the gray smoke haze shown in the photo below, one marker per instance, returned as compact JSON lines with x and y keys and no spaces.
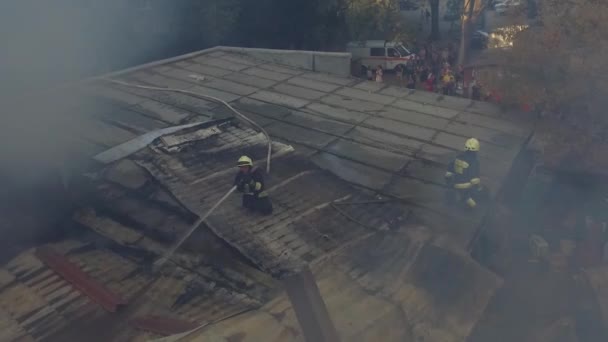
{"x":47,"y":43}
{"x":58,"y":40}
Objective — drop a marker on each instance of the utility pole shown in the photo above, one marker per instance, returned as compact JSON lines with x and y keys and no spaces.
{"x":469,"y":17}
{"x":435,"y":35}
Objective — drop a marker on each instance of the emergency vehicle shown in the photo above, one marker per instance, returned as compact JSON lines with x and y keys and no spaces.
{"x":371,"y":53}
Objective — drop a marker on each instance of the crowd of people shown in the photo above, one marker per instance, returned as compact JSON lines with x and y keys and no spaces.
{"x":431,"y":69}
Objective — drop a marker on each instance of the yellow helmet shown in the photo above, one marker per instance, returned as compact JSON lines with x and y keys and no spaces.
{"x":245,"y":161}
{"x":471,"y":145}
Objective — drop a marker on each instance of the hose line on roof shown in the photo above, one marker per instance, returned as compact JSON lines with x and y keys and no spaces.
{"x":161,"y":261}
{"x":209,"y":97}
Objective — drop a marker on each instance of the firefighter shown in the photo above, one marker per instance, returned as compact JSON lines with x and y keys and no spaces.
{"x":250,"y":181}
{"x":462,"y":176}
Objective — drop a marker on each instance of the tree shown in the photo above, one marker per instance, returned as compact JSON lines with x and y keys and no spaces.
{"x":308,"y":24}
{"x":454,"y":11}
{"x":558,"y":65}
{"x":435,"y":35}
{"x":295,"y":24}
{"x":216,"y":19}
{"x":373,"y":19}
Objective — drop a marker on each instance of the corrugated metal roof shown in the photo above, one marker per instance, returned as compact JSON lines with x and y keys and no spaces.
{"x":197,"y":288}
{"x":367,"y":168}
{"x":391,"y":286}
{"x":80,"y":280}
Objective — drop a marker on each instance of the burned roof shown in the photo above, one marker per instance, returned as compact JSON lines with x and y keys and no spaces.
{"x":356,"y":179}
{"x":383,"y":138}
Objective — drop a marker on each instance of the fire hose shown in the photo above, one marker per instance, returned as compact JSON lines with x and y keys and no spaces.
{"x":161,"y":261}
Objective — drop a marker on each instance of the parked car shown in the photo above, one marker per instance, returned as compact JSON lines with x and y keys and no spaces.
{"x":493,"y":3}
{"x":408,"y":5}
{"x":501,"y":2}
{"x":371,"y":53}
{"x":480,"y":39}
{"x":502,"y":7}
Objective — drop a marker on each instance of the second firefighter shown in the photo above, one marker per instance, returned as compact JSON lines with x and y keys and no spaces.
{"x":462,"y":176}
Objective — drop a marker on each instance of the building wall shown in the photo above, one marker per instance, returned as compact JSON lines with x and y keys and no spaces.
{"x":327,"y":62}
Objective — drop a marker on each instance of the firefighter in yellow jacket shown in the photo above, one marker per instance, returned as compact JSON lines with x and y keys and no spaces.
{"x":250,"y":181}
{"x":462,"y":176}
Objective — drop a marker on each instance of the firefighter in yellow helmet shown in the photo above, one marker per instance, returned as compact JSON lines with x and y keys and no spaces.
{"x":250,"y":181}
{"x":462,"y":176}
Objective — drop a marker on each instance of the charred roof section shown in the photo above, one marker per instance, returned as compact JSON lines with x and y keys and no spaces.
{"x":357,"y":183}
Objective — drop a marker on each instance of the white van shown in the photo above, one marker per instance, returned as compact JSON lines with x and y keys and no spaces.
{"x":371,"y":53}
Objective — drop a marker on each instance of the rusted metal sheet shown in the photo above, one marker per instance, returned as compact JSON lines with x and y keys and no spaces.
{"x":163,"y":325}
{"x":175,"y":141}
{"x":129,"y":147}
{"x":80,"y":280}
